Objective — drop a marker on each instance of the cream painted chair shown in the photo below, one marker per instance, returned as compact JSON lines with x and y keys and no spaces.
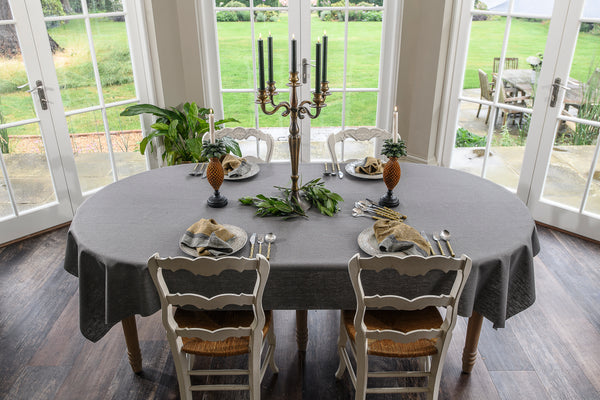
{"x":359,"y":134}
{"x":209,"y":331}
{"x":412,"y":328}
{"x":240,"y":133}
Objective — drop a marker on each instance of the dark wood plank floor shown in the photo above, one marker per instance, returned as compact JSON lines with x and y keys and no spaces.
{"x":550,"y":351}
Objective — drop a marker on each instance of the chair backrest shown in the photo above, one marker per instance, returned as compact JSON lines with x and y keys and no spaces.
{"x":240,"y":133}
{"x":484,"y":85}
{"x":206,"y":267}
{"x":359,"y":134}
{"x":509,"y":63}
{"x":409,"y":266}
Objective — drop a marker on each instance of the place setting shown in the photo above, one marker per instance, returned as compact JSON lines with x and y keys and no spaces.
{"x":207,"y":237}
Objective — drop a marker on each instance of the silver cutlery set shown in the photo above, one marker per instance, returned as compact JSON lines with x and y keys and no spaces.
{"x":339,"y":172}
{"x":260,"y":238}
{"x":444,"y":235}
{"x":199,"y":169}
{"x":369,"y":209}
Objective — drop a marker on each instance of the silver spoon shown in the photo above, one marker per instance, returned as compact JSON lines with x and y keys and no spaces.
{"x":270,"y":238}
{"x":445,"y":235}
{"x":260,"y":239}
{"x":340,"y":173}
{"x":437,"y":239}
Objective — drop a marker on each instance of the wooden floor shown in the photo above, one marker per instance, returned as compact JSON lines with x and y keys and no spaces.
{"x":550,"y":351}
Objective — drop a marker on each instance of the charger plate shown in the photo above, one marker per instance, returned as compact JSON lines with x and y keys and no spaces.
{"x":254,"y":169}
{"x":350,"y":169}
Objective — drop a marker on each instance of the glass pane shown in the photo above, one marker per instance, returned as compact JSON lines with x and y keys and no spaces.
{"x":90,"y":150}
{"x":15,"y":104}
{"x":125,"y":135}
{"x":335,"y":47}
{"x":361,"y":109}
{"x":5,"y":206}
{"x":508,"y":148}
{"x":235,"y":53}
{"x":73,"y":65}
{"x":114,"y":59}
{"x":591,"y":9}
{"x":593,"y":200}
{"x":584,"y":77}
{"x":485,"y":43}
{"x":328,"y":122}
{"x":5,"y":12}
{"x":241,"y":107}
{"x":28,"y":168}
{"x":570,"y":163}
{"x":364,"y":46}
{"x":104,"y":6}
{"x":469,"y":145}
{"x":524,"y":57}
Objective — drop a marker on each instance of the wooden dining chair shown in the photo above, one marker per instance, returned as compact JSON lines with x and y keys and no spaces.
{"x":512,"y":100}
{"x":389,"y":325}
{"x":207,"y":330}
{"x":509,"y":63}
{"x":359,"y":134}
{"x":241,"y":133}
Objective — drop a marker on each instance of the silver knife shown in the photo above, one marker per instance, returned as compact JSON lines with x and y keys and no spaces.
{"x":428,"y":242}
{"x":252,"y":240}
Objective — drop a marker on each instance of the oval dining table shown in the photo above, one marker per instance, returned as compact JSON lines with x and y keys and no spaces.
{"x":116,"y":230}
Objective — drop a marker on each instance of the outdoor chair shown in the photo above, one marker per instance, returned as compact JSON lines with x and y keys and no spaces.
{"x":509,"y":63}
{"x":486,"y":93}
{"x":359,"y":134}
{"x":240,"y":133}
{"x":206,"y":330}
{"x":515,"y":101}
{"x":389,"y":325}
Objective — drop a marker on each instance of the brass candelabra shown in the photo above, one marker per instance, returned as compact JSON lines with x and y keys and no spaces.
{"x":295,"y":111}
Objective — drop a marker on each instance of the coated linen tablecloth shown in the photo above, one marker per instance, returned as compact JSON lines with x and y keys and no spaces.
{"x":117,"y":229}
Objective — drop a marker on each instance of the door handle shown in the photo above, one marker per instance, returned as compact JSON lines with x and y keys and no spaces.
{"x":305,"y":65}
{"x":39,"y":86}
{"x":555,"y":87}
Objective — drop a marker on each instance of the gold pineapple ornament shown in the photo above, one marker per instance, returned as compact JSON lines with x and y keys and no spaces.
{"x":392,"y":171}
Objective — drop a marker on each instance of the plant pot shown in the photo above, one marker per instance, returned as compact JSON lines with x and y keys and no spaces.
{"x":391,"y":177}
{"x":215,"y":176}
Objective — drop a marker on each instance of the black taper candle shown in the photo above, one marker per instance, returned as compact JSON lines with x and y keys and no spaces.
{"x":261,"y":64}
{"x":318,"y":68}
{"x":294,"y":67}
{"x":324,"y":58}
{"x":270,"y":55}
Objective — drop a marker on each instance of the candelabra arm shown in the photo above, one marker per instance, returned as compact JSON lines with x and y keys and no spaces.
{"x":284,"y":104}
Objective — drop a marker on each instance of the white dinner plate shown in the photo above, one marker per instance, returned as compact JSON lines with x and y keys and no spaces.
{"x":254,"y":169}
{"x":237,"y":242}
{"x":350,"y":168}
{"x":368,"y":243}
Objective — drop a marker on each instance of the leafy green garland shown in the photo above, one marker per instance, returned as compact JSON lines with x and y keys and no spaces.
{"x":315,"y":192}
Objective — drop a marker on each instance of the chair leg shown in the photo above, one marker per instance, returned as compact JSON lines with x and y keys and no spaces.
{"x":183,"y":376}
{"x":487,"y":118}
{"x":479,"y":109}
{"x":272,"y":345}
{"x":342,"y":340}
{"x":362,"y":371}
{"x":254,"y":367}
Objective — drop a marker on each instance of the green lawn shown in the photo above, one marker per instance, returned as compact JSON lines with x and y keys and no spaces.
{"x":76,"y":77}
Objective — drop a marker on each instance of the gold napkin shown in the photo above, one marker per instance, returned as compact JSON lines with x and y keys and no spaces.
{"x":394,"y":236}
{"x":231,"y":162}
{"x":208,"y":237}
{"x":370,"y":166}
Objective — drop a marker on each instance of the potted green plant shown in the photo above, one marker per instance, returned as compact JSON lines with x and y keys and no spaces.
{"x":181,"y":130}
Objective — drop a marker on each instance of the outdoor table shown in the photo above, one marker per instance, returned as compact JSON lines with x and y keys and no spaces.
{"x":521,"y":79}
{"x":117,"y":229}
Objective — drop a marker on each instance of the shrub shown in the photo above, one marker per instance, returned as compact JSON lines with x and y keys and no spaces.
{"x":325,"y":15}
{"x":464,"y":138}
{"x":370,"y":16}
{"x":241,"y":15}
{"x":226,"y":16}
{"x":267,"y":15}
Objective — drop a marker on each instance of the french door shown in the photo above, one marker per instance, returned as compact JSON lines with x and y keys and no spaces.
{"x":357,"y":32}
{"x":66,"y":72}
{"x":540,"y":135}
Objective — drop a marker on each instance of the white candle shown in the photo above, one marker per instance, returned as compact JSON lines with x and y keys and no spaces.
{"x":211,"y":124}
{"x":395,"y":124}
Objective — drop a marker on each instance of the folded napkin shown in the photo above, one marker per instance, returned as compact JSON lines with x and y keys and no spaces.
{"x":208,"y":238}
{"x":395,"y":236}
{"x":235,"y":166}
{"x":370,"y":166}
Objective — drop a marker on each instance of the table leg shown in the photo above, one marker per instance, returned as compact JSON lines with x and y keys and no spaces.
{"x":301,"y":329}
{"x":133,"y":343}
{"x":471,"y":342}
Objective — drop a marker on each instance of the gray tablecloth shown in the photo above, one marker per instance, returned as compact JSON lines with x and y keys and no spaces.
{"x":115,"y":231}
